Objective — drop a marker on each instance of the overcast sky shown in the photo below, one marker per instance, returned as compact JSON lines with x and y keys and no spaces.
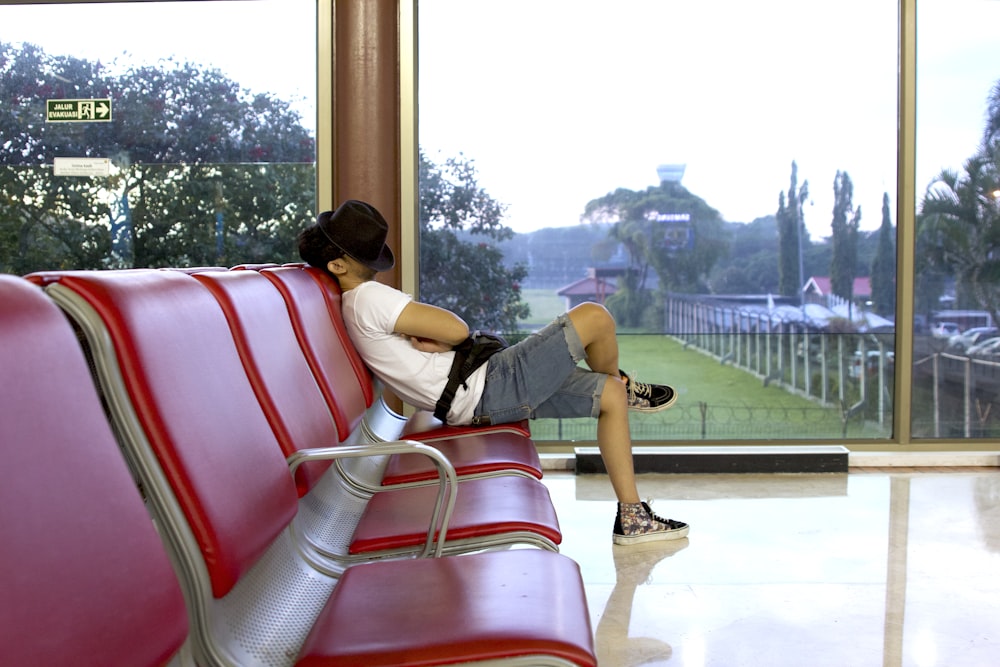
{"x":562,"y":101}
{"x":566,"y":101}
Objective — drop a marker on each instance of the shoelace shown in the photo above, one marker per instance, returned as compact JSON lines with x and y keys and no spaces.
{"x":640,"y":389}
{"x":669,"y":523}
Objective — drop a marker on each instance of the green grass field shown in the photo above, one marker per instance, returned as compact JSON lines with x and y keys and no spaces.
{"x":715,"y":400}
{"x":545,"y":306}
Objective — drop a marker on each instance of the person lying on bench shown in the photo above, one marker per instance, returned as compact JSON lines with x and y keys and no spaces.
{"x":422,"y":353}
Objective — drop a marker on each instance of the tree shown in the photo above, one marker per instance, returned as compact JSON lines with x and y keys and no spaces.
{"x":883,"y":273}
{"x":632,"y":298}
{"x":664,"y":228}
{"x":958,"y":227}
{"x":467,"y":278}
{"x":203,"y":171}
{"x":846,"y":221}
{"x":792,"y":235}
{"x":991,"y":133}
{"x":554,"y":256}
{"x":39,"y":225}
{"x":751,"y":265}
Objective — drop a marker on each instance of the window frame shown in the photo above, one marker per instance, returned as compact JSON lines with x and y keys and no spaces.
{"x":906,"y":197}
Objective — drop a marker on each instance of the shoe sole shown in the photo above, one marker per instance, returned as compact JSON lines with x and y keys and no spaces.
{"x":657,"y":536}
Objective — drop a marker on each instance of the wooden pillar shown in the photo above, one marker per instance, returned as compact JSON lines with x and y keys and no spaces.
{"x":364,"y":89}
{"x":366,"y":111}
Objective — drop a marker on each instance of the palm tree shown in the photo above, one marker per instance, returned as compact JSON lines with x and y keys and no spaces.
{"x":959,"y":222}
{"x":991,"y":135}
{"x":959,"y":225}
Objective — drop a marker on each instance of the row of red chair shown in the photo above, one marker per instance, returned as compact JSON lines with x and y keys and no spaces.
{"x":217,"y":386}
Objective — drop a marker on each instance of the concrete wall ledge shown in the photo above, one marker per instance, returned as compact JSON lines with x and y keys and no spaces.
{"x":725,"y":459}
{"x":923,"y":459}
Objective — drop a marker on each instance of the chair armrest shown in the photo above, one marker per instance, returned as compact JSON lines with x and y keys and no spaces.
{"x":447,"y":479}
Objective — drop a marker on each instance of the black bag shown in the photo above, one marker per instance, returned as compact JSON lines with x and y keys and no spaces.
{"x":470,"y":354}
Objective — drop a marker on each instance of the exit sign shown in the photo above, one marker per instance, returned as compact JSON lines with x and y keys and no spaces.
{"x":78,"y":111}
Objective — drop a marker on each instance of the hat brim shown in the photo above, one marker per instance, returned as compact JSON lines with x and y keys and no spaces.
{"x":383,"y":262}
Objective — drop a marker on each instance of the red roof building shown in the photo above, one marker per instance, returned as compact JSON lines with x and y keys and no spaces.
{"x":817,"y":288}
{"x":591,"y":288}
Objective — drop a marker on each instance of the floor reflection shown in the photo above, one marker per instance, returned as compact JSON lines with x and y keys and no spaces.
{"x":634,"y":567}
{"x":868,"y":568}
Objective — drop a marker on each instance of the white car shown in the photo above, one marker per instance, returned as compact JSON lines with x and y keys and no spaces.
{"x":945,"y":330}
{"x":963,"y":341}
{"x":987,"y":348}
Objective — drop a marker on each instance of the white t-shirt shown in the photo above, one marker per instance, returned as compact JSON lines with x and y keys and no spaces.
{"x":418,"y":378}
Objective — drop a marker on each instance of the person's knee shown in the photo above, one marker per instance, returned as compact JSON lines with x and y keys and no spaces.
{"x":591,"y":309}
{"x":592,"y":320}
{"x":613,"y":396}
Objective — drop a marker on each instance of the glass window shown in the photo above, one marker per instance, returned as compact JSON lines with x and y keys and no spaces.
{"x":155,"y":133}
{"x":956,"y":371}
{"x":726,"y":192}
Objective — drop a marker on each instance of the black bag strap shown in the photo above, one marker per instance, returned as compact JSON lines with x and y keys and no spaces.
{"x":470,"y":354}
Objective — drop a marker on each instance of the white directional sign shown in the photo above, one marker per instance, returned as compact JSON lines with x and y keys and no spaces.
{"x":81,"y":166}
{"x":78,"y":111}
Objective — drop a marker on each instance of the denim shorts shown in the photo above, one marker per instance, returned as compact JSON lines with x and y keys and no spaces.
{"x":539,"y":378}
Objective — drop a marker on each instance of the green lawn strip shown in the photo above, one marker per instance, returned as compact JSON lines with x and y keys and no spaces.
{"x":736,"y":404}
{"x":545,"y":305}
{"x":715,"y":401}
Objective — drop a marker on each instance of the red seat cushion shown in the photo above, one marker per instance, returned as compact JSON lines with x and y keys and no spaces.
{"x":423,"y":425}
{"x":470,"y":455}
{"x":485,"y":506}
{"x":438,"y":611}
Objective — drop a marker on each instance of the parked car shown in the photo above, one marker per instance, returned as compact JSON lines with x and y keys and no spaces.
{"x":987,"y":348}
{"x":945,"y":330}
{"x":963,"y":341}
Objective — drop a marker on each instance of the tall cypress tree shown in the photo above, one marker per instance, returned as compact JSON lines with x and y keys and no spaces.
{"x":786,"y":269}
{"x":884,"y":265}
{"x":846,"y":220}
{"x":791,"y":235}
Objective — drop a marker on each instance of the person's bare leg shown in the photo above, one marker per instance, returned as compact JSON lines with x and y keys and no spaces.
{"x":596,"y":329}
{"x":615,"y":441}
{"x":635,"y":522}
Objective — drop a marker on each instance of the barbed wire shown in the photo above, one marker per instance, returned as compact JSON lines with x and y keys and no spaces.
{"x":740,"y":421}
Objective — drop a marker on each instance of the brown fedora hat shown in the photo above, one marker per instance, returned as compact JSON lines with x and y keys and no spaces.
{"x":359,"y":230}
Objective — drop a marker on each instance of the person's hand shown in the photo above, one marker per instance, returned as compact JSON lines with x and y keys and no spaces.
{"x":429,"y":344}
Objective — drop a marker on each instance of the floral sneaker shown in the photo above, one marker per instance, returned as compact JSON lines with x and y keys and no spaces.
{"x":636,"y":523}
{"x":644,"y":397}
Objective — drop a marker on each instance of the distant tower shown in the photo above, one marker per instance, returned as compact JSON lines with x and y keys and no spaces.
{"x":670,"y":173}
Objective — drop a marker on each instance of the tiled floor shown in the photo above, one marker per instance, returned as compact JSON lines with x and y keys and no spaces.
{"x":876,"y":568}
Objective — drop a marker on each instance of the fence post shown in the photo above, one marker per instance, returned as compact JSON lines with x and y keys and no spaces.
{"x":793,"y":358}
{"x":806,"y":365}
{"x":937,"y":397}
{"x":840,"y":367}
{"x":824,"y":372}
{"x":968,"y":397}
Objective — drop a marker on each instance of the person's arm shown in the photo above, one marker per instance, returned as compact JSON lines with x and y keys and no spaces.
{"x":431,"y":329}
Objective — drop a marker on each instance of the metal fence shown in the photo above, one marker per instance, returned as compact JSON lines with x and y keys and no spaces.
{"x":721,"y":421}
{"x":846,"y":377}
{"x":959,"y":391}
